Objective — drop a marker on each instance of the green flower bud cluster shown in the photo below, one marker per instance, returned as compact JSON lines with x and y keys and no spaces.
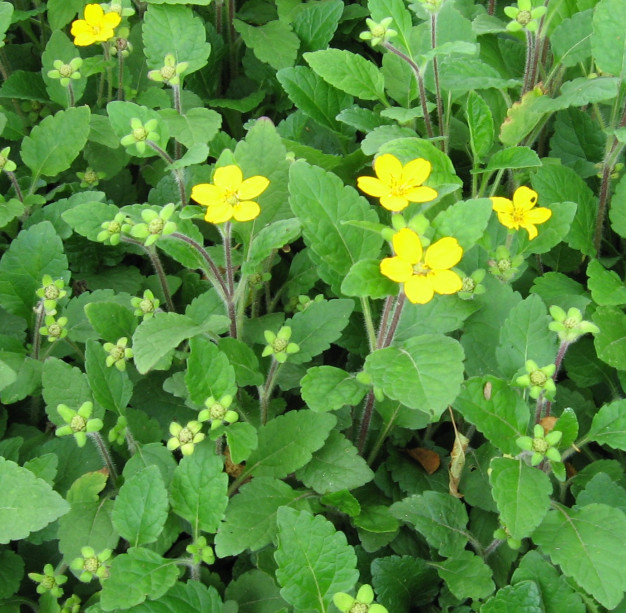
{"x":54,"y":329}
{"x":119,"y":7}
{"x":141,"y":133}
{"x":66,"y":72}
{"x":90,"y":178}
{"x":112,"y":230}
{"x":119,"y":353}
{"x":570,"y":326}
{"x":524,"y":16}
{"x":218,"y":413}
{"x":200,"y":551}
{"x":91,"y":565}
{"x":117,"y":434}
{"x":156,"y":224}
{"x":278,"y":345}
{"x":5,"y":163}
{"x":378,"y":33}
{"x":538,"y":380}
{"x":121,"y":45}
{"x":503,"y":266}
{"x":503,"y":534}
{"x":146,"y":306}
{"x":170,"y":71}
{"x":258,"y":279}
{"x":50,"y":292}
{"x":361,"y":604}
{"x":78,"y":423}
{"x":186,"y":437}
{"x":541,"y":445}
{"x":49,"y":581}
{"x":472,"y":285}
{"x":71,"y":605}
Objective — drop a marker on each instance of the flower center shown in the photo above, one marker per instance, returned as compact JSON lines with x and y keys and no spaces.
{"x":524,"y":18}
{"x":51,"y":292}
{"x":117,"y":353}
{"x":140,"y":134}
{"x":167,"y":72}
{"x":217,"y":411}
{"x":468,"y":284}
{"x":185,"y":435}
{"x":78,"y":424}
{"x":48,"y":582}
{"x":91,"y":565}
{"x":504,"y":265}
{"x":280,"y":344}
{"x":54,"y":330}
{"x":420,"y":269}
{"x":66,"y":70}
{"x":231,"y":198}
{"x":90,"y":176}
{"x":3,"y":161}
{"x":539,"y":378}
{"x":95,"y":30}
{"x":378,"y":31}
{"x":114,"y":227}
{"x":155,"y":226}
{"x":359,"y":607}
{"x":540,"y":445}
{"x":146,"y":306}
{"x":570,"y":323}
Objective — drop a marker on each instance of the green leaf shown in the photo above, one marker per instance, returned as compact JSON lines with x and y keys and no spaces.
{"x":558,"y":184}
{"x":496,"y":410}
{"x":335,"y":467}
{"x":364,"y":279}
{"x":512,"y":158}
{"x":111,"y":320}
{"x":413,"y":373}
{"x":522,"y":494}
{"x":242,"y":439}
{"x":521,"y":119}
{"x":571,"y":39}
{"x":59,"y":47}
{"x":61,"y":12}
{"x":556,"y":593}
{"x":315,"y":328}
{"x":402,"y":582}
{"x":273,"y":43}
{"x":141,"y":507}
{"x":11,"y":573}
{"x":401,"y":19}
{"x":567,"y":423}
{"x":525,"y":336}
{"x":28,"y":503}
{"x":198,"y":126}
{"x":189,"y":597}
{"x":6,"y":12}
{"x":24,"y":85}
{"x":268,"y":240}
{"x":87,"y":219}
{"x":601,"y":488}
{"x":135,"y":576}
{"x":521,"y":597}
{"x":120,"y":114}
{"x":243,"y":360}
{"x":462,"y":74}
{"x":552,"y":232}
{"x":609,"y":425}
{"x":557,"y":288}
{"x":480,"y":124}
{"x":63,"y":384}
{"x":250,"y":521}
{"x":617,"y":211}
{"x":323,"y":203}
{"x":315,"y":24}
{"x":583,"y":543}
{"x":110,"y":387}
{"x":314,"y":97}
{"x":44,"y":466}
{"x":209,"y":372}
{"x":607,"y":289}
{"x":327,"y":388}
{"x":255,"y":592}
{"x":89,"y":522}
{"x":314,"y":560}
{"x":33,"y":253}
{"x":608,"y":37}
{"x":158,"y":336}
{"x":610,"y":342}
{"x":440,"y":518}
{"x":349,"y":72}
{"x":466,"y":575}
{"x":580,"y":92}
{"x":56,"y":141}
{"x":152,"y":454}
{"x":288,"y":442}
{"x":198,"y":491}
{"x":465,"y":220}
{"x":174,"y":29}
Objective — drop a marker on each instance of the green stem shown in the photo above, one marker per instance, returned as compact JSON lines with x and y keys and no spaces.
{"x":230,"y":279}
{"x":120,"y":75}
{"x":368,"y":410}
{"x":16,"y":185}
{"x":70,"y":93}
{"x":420,"y":85}
{"x":176,"y":172}
{"x":603,"y":200}
{"x":38,"y":324}
{"x":369,"y":324}
{"x":433,"y":42}
{"x":267,"y":389}
{"x":530,"y":46}
{"x":158,"y":267}
{"x":389,"y":302}
{"x":179,"y":107}
{"x":492,"y":547}
{"x":395,"y":319}
{"x":382,"y":435}
{"x":103,"y":450}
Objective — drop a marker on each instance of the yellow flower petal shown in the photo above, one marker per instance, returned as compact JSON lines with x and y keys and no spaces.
{"x":93,"y":14}
{"x":396,"y":269}
{"x":111,"y":20}
{"x":531,"y":229}
{"x":246,"y":210}
{"x":539,"y":215}
{"x":84,"y":39}
{"x":421,"y":194}
{"x":372,"y":186}
{"x":524,"y":198}
{"x":443,"y":254}
{"x":415,"y":172}
{"x":252,"y":187}
{"x":501,"y":205}
{"x":388,"y":169}
{"x":394,"y":203}
{"x":419,"y":289}
{"x":219,"y":213}
{"x":446,"y":282}
{"x":207,"y":194}
{"x":407,"y":246}
{"x":228,"y":177}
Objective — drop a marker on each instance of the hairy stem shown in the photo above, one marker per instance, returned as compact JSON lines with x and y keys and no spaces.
{"x":230,"y":279}
{"x":120,"y":75}
{"x":103,"y":450}
{"x":433,"y":42}
{"x":16,"y":185}
{"x":36,"y":334}
{"x":158,"y":268}
{"x":266,"y":391}
{"x":177,"y":174}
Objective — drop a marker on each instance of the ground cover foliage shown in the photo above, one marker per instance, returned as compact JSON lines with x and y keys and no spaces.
{"x":312,"y":306}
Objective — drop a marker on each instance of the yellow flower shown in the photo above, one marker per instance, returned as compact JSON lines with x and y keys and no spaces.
{"x":229,"y":196}
{"x":520,"y":213}
{"x":397,"y":185}
{"x":97,"y":27}
{"x":423,"y":274}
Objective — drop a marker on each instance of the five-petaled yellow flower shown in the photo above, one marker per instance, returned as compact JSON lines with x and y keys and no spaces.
{"x":397,"y":185}
{"x":97,"y":27}
{"x":521,"y":211}
{"x":423,"y":274}
{"x":230,"y":196}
